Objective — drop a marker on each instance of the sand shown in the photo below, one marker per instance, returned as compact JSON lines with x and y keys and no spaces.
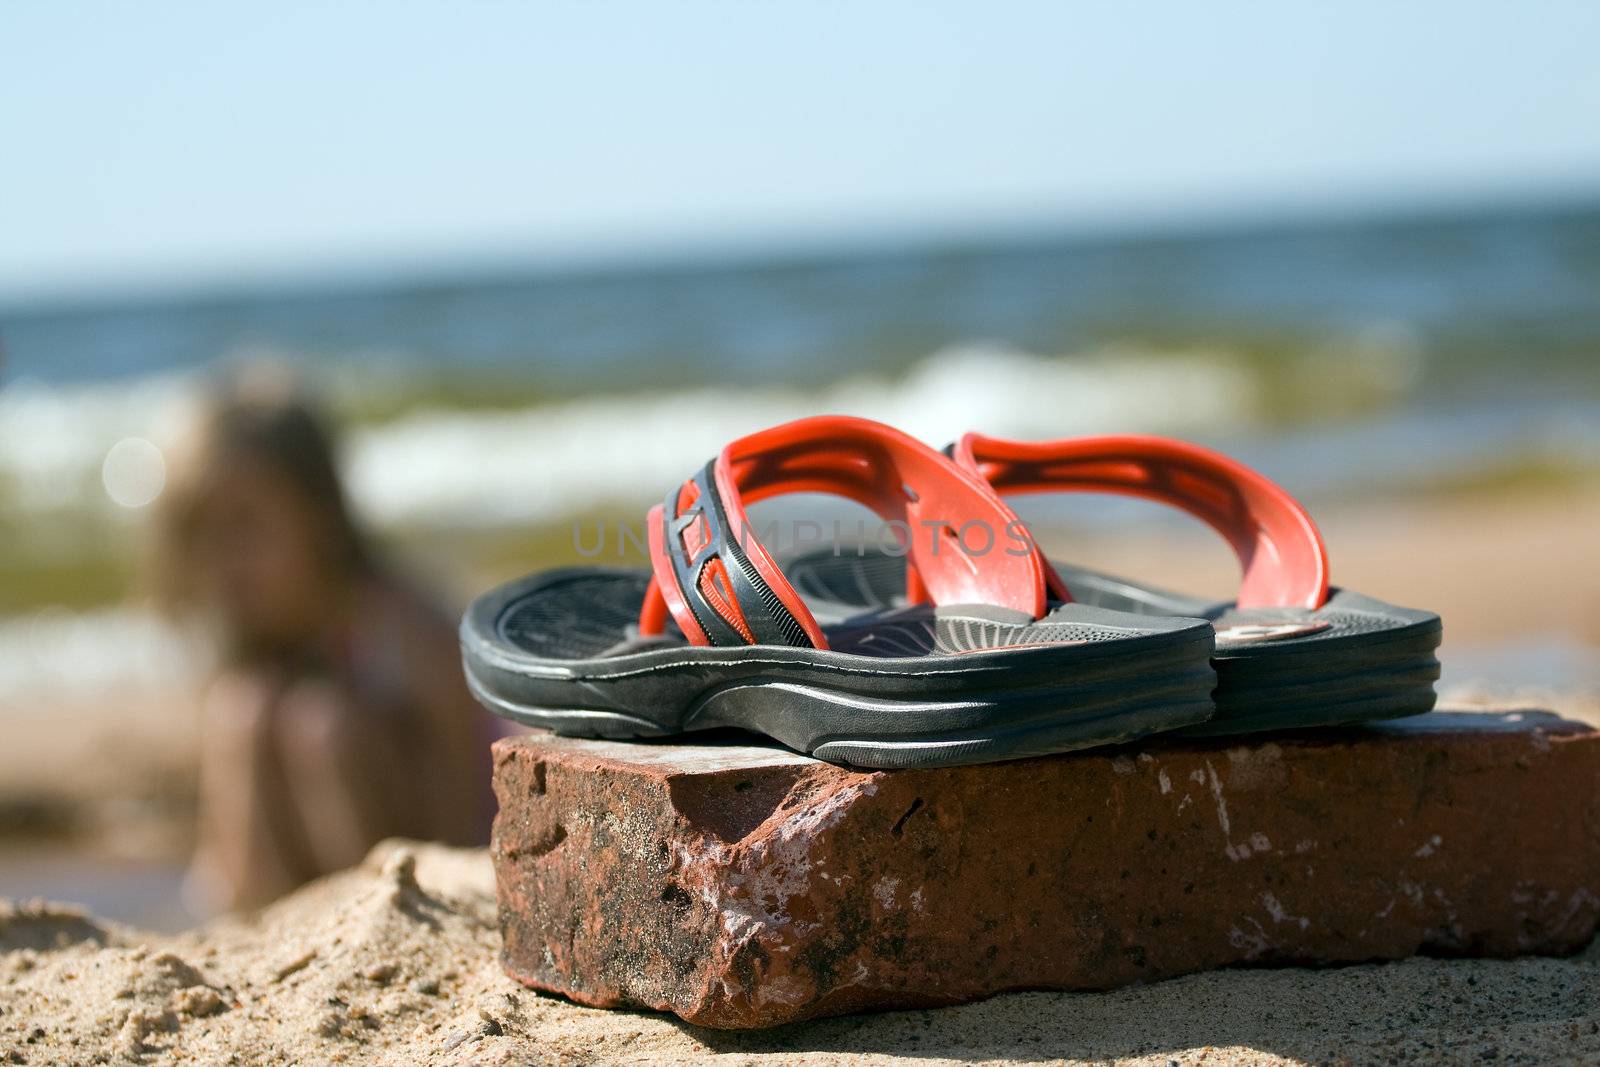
{"x":395,"y":963}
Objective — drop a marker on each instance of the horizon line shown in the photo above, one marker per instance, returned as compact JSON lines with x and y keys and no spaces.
{"x":778,"y":247}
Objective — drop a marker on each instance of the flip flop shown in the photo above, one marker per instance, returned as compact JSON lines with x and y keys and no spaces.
{"x":1291,"y":651}
{"x":714,"y":635}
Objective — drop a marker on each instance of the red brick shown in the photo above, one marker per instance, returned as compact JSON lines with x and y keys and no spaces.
{"x":740,"y":886}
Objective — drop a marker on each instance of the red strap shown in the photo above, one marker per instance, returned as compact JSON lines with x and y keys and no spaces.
{"x":1280,"y":551}
{"x":962,"y":539}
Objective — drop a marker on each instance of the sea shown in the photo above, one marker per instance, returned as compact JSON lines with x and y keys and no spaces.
{"x":1403,"y":344}
{"x":1343,"y":355}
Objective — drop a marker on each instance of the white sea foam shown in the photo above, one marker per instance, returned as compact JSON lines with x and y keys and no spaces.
{"x":55,"y":653}
{"x":549,"y":462}
{"x":55,"y":440}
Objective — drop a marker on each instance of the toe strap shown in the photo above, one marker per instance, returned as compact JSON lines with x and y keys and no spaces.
{"x":1281,"y":554}
{"x":715,"y":578}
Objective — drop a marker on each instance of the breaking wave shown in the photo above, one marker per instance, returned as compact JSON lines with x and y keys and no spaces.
{"x":456,"y":467}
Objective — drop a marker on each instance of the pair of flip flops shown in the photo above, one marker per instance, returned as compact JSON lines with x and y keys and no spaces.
{"x":964,"y":646}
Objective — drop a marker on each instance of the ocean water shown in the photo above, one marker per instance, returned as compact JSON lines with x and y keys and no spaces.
{"x":1341,"y":353}
{"x":1486,"y":297}
{"x":1341,"y":357}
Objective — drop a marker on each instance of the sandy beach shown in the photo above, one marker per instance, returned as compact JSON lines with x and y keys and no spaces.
{"x":349,"y":356}
{"x":395,"y":962}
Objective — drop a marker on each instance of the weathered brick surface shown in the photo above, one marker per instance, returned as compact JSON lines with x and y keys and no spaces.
{"x":740,"y":886}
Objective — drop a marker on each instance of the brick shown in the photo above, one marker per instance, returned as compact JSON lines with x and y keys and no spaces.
{"x":741,"y":886}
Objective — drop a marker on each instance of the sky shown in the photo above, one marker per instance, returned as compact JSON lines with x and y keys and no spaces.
{"x":175,"y":145}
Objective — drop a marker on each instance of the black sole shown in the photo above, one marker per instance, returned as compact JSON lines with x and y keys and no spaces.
{"x":1372,"y":661}
{"x":1335,"y":685}
{"x":929,"y":710}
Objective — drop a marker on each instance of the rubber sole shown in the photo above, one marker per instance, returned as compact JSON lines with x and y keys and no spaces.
{"x":1131,"y":679}
{"x":1373,"y":661}
{"x":1329,"y":687}
{"x":1358,"y":659}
